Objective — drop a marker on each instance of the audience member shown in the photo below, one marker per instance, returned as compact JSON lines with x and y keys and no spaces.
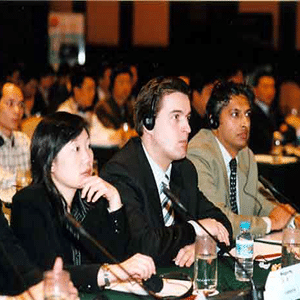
{"x":104,"y":81}
{"x":157,"y":156}
{"x":45,"y":82}
{"x":117,"y":111}
{"x":18,"y":276}
{"x":61,"y":89}
{"x":212,"y":152}
{"x":62,"y":161}
{"x":201,"y":86}
{"x":14,"y":145}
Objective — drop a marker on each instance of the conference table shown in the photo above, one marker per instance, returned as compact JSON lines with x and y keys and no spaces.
{"x":227,"y":283}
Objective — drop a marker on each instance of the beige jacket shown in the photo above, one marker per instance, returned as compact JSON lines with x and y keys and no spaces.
{"x":205,"y":153}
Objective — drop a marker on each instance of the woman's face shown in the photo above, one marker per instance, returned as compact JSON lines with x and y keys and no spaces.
{"x":73,"y":163}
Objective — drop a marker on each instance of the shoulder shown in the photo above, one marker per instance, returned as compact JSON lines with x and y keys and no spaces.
{"x":203,"y":144}
{"x":21,"y":138}
{"x":33,"y":195}
{"x":204,"y":139}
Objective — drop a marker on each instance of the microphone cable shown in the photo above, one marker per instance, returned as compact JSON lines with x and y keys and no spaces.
{"x":146,"y":285}
{"x":221,"y":245}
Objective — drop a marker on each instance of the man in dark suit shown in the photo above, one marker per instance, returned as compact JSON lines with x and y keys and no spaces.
{"x":162,"y":111}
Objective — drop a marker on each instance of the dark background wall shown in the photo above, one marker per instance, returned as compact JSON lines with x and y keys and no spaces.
{"x":199,"y":34}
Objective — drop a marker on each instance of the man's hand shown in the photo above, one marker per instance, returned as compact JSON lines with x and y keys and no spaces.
{"x":185,"y":256}
{"x":217,"y":229}
{"x":281,"y":215}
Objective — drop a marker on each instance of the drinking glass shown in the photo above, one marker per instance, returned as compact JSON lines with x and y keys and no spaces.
{"x":205,"y":265}
{"x":290,"y":247}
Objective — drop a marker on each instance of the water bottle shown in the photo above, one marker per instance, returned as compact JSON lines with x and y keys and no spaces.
{"x":244,"y":253}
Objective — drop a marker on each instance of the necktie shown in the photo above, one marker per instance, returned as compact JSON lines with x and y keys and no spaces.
{"x":166,"y":204}
{"x":233,"y":203}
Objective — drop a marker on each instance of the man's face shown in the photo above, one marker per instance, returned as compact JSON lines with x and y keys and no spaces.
{"x":122,"y":87}
{"x":11,"y":108}
{"x":169,"y":137}
{"x":85,"y":95}
{"x":265,"y":89}
{"x":233,"y":131}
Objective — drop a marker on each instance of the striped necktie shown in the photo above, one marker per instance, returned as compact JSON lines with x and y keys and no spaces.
{"x":166,"y":204}
{"x":233,"y":168}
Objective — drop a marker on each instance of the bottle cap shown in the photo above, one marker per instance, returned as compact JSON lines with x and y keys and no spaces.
{"x":245,"y":225}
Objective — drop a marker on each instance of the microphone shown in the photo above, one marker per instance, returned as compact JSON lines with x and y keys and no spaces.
{"x":281,"y":198}
{"x":151,"y":285}
{"x":221,"y":245}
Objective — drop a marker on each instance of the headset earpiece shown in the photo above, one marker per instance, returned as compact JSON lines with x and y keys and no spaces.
{"x":213,"y":122}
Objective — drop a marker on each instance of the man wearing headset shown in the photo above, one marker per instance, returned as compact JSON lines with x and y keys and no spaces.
{"x":211,"y":151}
{"x":162,"y":111}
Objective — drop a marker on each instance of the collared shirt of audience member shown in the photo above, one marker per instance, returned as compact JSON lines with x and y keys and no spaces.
{"x":229,"y":113}
{"x":19,"y":278}
{"x":14,"y":149}
{"x":266,"y":118}
{"x":162,"y":111}
{"x":62,"y":164}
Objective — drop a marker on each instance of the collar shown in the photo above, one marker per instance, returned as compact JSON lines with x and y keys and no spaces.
{"x":158,"y":173}
{"x":263,"y":106}
{"x":226,"y":156}
{"x":8,"y":140}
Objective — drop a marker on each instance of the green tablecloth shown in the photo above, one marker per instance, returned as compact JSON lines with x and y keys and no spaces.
{"x":226,"y":279}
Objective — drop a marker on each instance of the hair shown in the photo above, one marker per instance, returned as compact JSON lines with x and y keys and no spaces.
{"x":221,"y":94}
{"x":260,"y":74}
{"x":78,"y":74}
{"x":149,"y":99}
{"x":50,"y":136}
{"x":117,"y":70}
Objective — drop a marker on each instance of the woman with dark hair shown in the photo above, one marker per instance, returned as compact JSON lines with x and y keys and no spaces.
{"x":61,"y":163}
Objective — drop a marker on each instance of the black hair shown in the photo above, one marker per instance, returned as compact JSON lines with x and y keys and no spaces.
{"x":221,"y":94}
{"x":50,"y":136}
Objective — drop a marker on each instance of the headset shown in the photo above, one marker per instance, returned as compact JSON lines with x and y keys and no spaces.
{"x":149,"y":119}
{"x":213,"y":121}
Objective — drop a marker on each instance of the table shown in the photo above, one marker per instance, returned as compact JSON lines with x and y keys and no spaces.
{"x":226,"y":280}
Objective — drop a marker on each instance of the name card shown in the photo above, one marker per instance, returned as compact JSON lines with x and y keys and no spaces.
{"x":283,"y":284}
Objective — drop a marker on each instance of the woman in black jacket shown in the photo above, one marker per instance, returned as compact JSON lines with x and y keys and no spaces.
{"x":62,"y":162}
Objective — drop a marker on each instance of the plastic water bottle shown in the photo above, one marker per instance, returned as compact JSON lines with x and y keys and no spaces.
{"x":244,"y":253}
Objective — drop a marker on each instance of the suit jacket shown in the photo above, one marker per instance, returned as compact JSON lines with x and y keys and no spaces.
{"x":205,"y":153}
{"x":34,"y":221}
{"x":130,"y":171}
{"x":13,"y":260}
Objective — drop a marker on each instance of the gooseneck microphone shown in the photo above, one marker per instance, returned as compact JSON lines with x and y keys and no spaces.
{"x":183,"y":211}
{"x":279,"y":196}
{"x":151,"y":286}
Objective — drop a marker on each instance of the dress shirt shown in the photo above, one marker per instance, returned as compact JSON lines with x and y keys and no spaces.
{"x":227,"y":158}
{"x":159,"y":176}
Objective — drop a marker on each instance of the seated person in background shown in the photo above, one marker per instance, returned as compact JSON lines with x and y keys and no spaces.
{"x":211,"y":151}
{"x":103,"y":81}
{"x":155,"y":158}
{"x":62,"y":161}
{"x":266,"y":119}
{"x":116,"y":112}
{"x":201,"y":86}
{"x":14,"y":145}
{"x":81,"y":102}
{"x":17,"y":274}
